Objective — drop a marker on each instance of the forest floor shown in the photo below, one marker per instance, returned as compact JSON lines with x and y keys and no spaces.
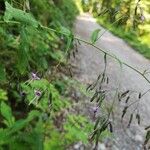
{"x":89,"y":64}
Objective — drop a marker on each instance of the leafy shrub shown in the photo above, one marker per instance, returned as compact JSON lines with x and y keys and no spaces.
{"x":30,"y":104}
{"x":21,"y":52}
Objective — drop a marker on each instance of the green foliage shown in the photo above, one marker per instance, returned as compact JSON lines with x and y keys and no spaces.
{"x":3,"y":95}
{"x":68,"y":10}
{"x":55,"y":12}
{"x":18,"y":38}
{"x":19,"y":15}
{"x":7,"y":114}
{"x":77,"y":129}
{"x":2,"y":73}
{"x":31,"y":106}
{"x":95,"y":36}
{"x":49,"y":95}
{"x":29,"y":132}
{"x":127,"y":19}
{"x":130,"y":37}
{"x":19,"y":132}
{"x":56,"y":140}
{"x":34,"y":107}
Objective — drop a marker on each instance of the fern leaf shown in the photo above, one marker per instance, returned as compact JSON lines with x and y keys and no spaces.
{"x":19,"y":15}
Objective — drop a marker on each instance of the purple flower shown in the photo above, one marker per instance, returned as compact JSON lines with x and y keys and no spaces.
{"x":95,"y":109}
{"x":38,"y":93}
{"x":142,"y":18}
{"x":34,"y":76}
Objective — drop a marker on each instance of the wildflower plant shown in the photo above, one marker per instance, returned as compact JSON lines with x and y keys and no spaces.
{"x":47,"y":112}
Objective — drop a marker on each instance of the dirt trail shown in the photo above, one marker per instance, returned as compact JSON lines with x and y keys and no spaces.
{"x":90,"y":63}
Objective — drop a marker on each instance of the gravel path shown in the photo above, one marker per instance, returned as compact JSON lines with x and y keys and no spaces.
{"x":89,"y":64}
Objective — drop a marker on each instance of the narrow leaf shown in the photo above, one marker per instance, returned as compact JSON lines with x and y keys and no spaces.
{"x":6,"y":112}
{"x":94,"y":36}
{"x":130,"y":120}
{"x":138,"y":118}
{"x":124,"y":94}
{"x":124,"y":111}
{"x":111,"y":127}
{"x":97,"y":122}
{"x":65,"y":31}
{"x":19,"y":15}
{"x":127,"y":99}
{"x":147,"y":137}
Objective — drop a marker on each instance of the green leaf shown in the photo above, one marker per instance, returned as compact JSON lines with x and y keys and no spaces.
{"x":20,"y":124}
{"x":65,"y":31}
{"x":69,"y":36}
{"x":23,"y":52}
{"x":33,"y":114}
{"x":94,"y":36}
{"x":57,"y":55}
{"x":69,"y":42}
{"x":3,"y":136}
{"x":3,"y":95}
{"x":7,"y":114}
{"x":19,"y":15}
{"x":147,"y":138}
{"x":2,"y":73}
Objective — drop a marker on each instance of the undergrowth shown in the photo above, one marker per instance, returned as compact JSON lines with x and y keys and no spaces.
{"x":35,"y":109}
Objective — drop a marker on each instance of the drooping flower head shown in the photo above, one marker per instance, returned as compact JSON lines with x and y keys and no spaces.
{"x":37,"y":93}
{"x":95,"y":109}
{"x":34,"y":76}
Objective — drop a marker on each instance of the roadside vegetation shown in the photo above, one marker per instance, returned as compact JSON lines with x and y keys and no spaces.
{"x":35,"y":104}
{"x":39,"y":106}
{"x":127,"y":19}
